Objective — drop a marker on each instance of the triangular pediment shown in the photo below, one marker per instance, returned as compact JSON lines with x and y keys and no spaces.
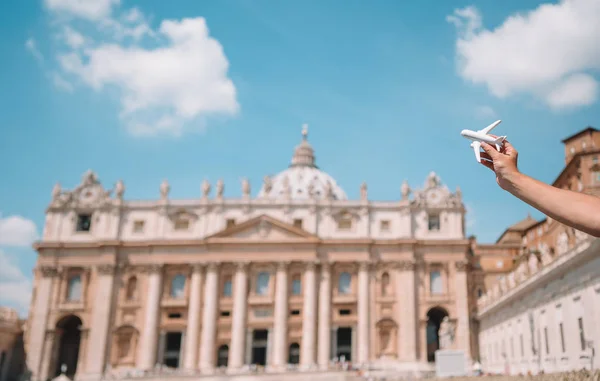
{"x":264,"y":228}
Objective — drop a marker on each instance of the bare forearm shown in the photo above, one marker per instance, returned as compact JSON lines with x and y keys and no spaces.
{"x":578,"y":210}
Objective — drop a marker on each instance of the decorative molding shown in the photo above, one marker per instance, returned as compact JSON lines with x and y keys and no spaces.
{"x":106,"y":269}
{"x":152,"y":268}
{"x":283,"y":265}
{"x":406,"y":265}
{"x":197,"y":267}
{"x":213,"y":266}
{"x":49,"y":271}
{"x":461,"y":266}
{"x":311,"y":265}
{"x":242,"y":266}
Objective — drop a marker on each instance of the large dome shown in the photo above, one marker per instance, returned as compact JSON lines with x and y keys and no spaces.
{"x":303,"y":179}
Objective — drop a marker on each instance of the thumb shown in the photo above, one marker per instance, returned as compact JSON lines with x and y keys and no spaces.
{"x":490,"y":150}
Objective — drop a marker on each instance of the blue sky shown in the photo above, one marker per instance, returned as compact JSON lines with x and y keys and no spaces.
{"x":385,"y":87}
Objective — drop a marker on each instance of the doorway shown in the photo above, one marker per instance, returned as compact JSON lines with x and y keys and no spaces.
{"x":259,"y":347}
{"x":344,"y":343}
{"x":68,"y":350}
{"x":434,"y":320}
{"x":172,"y":349}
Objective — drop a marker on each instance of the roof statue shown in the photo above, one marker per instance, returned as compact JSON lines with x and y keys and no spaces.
{"x":220,"y":188}
{"x":302,"y":180}
{"x":205,"y":188}
{"x":164,"y":189}
{"x":405,"y":190}
{"x":119,"y":189}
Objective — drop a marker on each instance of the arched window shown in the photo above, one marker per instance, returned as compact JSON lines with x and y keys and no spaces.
{"x":74,"y":288}
{"x":294,"y":354}
{"x":344,"y":283}
{"x":131,"y":293}
{"x":296,"y":285}
{"x":177,"y":286}
{"x":222,"y":355}
{"x":435,"y":280}
{"x":479,"y":292}
{"x":227,"y":286}
{"x":385,"y":284}
{"x":262,"y":283}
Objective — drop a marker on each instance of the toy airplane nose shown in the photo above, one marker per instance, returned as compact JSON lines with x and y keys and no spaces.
{"x":464,"y":132}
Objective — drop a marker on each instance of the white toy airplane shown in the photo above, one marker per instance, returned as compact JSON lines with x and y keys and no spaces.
{"x":482,"y":136}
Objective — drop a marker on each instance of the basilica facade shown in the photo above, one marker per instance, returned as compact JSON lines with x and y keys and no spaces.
{"x":294,"y":278}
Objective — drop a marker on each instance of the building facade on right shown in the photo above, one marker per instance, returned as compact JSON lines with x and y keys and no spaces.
{"x":544,"y":314}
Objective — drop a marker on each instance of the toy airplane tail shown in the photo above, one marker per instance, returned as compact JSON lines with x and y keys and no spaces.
{"x":498,"y":142}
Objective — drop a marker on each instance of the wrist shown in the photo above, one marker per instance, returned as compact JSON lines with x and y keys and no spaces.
{"x":511,"y":181}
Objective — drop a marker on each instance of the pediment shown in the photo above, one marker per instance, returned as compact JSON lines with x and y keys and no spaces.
{"x":263,"y":228}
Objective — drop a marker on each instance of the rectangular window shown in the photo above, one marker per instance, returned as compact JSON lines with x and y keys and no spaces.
{"x":84,"y":222}
{"x":581,"y":333}
{"x":230,"y":222}
{"x":262,"y":312}
{"x":562,"y":337}
{"x":296,"y":286}
{"x":434,"y":222}
{"x":345,"y":224}
{"x":182,"y":224}
{"x":298,"y":223}
{"x":522,"y":347}
{"x":138,"y":226}
{"x":546,"y":340}
{"x":225,"y":313}
{"x":385,"y":225}
{"x":512,"y":348}
{"x":227,"y":288}
{"x":295,"y":312}
{"x":435,"y":281}
{"x":344,"y":312}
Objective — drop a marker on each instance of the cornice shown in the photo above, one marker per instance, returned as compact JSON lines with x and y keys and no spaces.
{"x":212,"y":242}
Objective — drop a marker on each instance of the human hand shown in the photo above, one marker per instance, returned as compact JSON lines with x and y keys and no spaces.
{"x":503,"y":163}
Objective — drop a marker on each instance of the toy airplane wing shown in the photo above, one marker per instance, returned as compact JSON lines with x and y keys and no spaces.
{"x":476,"y":146}
{"x":490,"y":127}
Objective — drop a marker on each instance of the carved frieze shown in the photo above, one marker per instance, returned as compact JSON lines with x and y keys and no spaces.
{"x":151,"y":268}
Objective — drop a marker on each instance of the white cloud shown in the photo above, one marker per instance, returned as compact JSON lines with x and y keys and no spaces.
{"x":167,"y":87}
{"x":73,"y":38}
{"x":15,"y":287}
{"x":547,"y":53}
{"x":161,"y":88}
{"x":61,"y":83}
{"x":87,"y":9}
{"x":31,"y":46}
{"x":17,"y":231}
{"x":485,"y":112}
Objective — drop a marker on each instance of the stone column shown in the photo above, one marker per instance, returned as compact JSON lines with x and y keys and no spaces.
{"x":281,"y":316}
{"x":462,"y":309}
{"x":193,"y":327}
{"x":147,"y":346}
{"x":363,"y":313}
{"x":238,"y":327}
{"x":101,"y":318}
{"x":209,"y":319}
{"x":324,"y":344}
{"x":39,"y":320}
{"x":406,"y":295}
{"x":309,"y":317}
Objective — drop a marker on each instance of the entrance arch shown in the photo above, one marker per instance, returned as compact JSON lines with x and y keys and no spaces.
{"x":69,"y":329}
{"x":434,"y":319}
